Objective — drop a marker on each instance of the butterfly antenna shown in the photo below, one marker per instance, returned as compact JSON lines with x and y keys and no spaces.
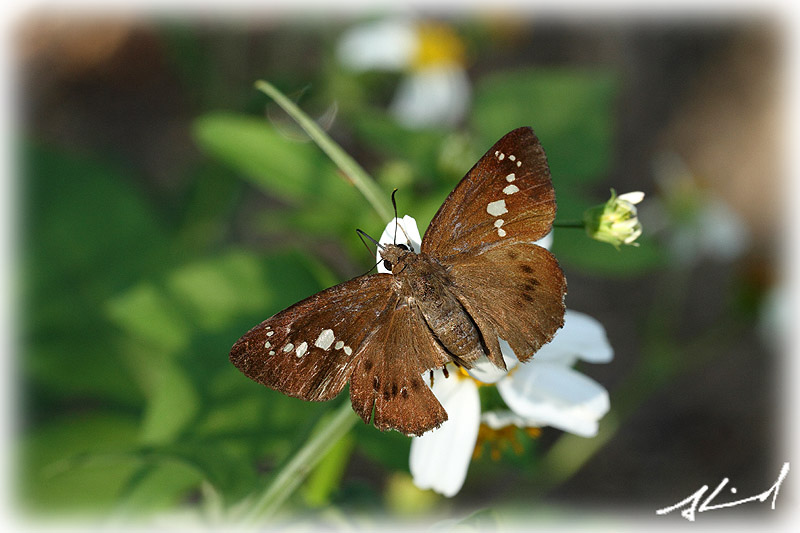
{"x":397,"y":223}
{"x":361,"y":235}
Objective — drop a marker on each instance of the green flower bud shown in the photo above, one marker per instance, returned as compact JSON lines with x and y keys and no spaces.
{"x":615,"y":221}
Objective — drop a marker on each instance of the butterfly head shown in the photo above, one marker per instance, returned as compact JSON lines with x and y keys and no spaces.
{"x":394,"y":256}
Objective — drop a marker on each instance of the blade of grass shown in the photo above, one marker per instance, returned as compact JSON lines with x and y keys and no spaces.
{"x":357,"y":175}
{"x":326,"y":434}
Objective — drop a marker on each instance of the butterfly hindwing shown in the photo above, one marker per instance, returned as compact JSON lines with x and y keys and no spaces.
{"x":515,"y":292}
{"x":506,"y":197}
{"x":388,"y":378}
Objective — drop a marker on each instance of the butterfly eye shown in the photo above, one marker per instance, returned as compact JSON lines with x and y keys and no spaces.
{"x":387,"y":265}
{"x":403,"y":246}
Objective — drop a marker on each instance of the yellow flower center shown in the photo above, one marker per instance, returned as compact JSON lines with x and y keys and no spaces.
{"x":462,"y":373}
{"x":437,"y":44}
{"x":499,"y":440}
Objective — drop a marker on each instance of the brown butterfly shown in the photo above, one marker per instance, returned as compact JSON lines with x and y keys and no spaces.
{"x":478,"y":277}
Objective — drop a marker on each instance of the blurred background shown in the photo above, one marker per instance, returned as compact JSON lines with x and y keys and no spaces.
{"x":167,"y":206}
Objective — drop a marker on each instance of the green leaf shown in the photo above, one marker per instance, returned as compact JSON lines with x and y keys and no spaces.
{"x":81,"y":362}
{"x":317,"y":220}
{"x":85,"y":225}
{"x":161,"y":486}
{"x":324,"y":480}
{"x":87,"y":233}
{"x":343,"y":160}
{"x":217,"y":289}
{"x":390,"y":448}
{"x":292,"y":170}
{"x":419,"y":148}
{"x":77,"y":463}
{"x":172,"y":404}
{"x":147,"y":314}
{"x":226,"y":464}
{"x":570,"y":110}
{"x":206,"y":216}
{"x":245,"y":414}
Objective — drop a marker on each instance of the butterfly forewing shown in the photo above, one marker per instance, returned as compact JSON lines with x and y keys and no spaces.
{"x":515,"y":292}
{"x":307,"y":350}
{"x":506,"y":196}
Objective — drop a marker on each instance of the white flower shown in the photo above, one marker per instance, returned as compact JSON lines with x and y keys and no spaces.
{"x":388,"y":44}
{"x":436,"y":89}
{"x":437,"y":95}
{"x":698,"y":223}
{"x":439,"y":458}
{"x":545,"y":391}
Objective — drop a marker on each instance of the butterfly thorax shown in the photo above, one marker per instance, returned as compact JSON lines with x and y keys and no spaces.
{"x":424,"y":283}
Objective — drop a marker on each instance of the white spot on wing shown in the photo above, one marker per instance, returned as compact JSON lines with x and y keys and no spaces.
{"x":512,"y":157}
{"x":519,"y":163}
{"x":511,"y":189}
{"x":288,"y":348}
{"x":301,"y":350}
{"x":325,"y":339}
{"x":511,"y":177}
{"x":267,"y":344}
{"x":338,"y":345}
{"x":272,"y":352}
{"x":499,"y":222}
{"x":270,"y":333}
{"x":501,"y":232}
{"x":501,"y":156}
{"x":348,"y":350}
{"x":496,"y":208}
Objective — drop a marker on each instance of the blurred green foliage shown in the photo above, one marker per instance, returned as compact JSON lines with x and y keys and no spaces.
{"x":130,"y":402}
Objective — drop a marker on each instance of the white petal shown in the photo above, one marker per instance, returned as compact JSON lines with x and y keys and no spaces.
{"x":486,"y":372}
{"x":633,"y":197}
{"x":582,"y":337}
{"x":721,"y":231}
{"x":385,"y":45}
{"x":557,"y":396}
{"x":505,"y":418}
{"x":435,"y":96}
{"x":440,"y":458}
{"x":406,"y":232}
{"x":546,"y":241}
{"x":402,"y":230}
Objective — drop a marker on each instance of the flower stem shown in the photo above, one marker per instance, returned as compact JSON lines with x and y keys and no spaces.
{"x":569,"y":224}
{"x":325,"y":435}
{"x":357,"y":175}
